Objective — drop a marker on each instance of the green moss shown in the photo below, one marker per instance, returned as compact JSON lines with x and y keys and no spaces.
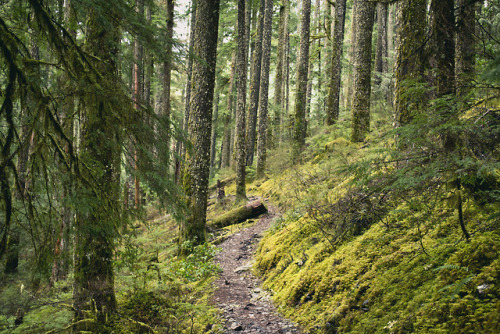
{"x":403,"y":274}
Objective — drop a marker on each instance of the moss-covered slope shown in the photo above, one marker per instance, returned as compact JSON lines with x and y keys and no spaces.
{"x":409,"y":270}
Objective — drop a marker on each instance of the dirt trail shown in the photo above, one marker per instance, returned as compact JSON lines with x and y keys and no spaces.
{"x":247,"y":308}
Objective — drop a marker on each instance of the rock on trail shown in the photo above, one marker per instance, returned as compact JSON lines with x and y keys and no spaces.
{"x":246,"y":307}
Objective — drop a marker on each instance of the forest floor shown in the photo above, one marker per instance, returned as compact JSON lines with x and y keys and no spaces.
{"x":246,"y":307}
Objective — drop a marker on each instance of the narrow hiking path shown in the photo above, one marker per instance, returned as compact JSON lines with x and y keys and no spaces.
{"x":247,"y":308}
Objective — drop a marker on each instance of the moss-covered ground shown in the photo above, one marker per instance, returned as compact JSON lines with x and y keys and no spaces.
{"x":409,"y":270}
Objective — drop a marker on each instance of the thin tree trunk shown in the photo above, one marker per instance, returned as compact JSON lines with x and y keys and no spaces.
{"x":200,"y":122}
{"x":350,"y":78}
{"x":226,"y":140}
{"x":214,"y":134}
{"x":167,"y":70}
{"x":253,"y":105}
{"x":332,"y":112}
{"x":364,"y":17}
{"x":299,"y":135}
{"x":137,"y":97}
{"x":280,"y":69}
{"x":381,"y":49}
{"x":264,"y":90}
{"x":240,"y":156}
{"x":465,"y":46}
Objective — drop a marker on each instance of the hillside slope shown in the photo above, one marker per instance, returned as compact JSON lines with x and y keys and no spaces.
{"x":372,"y":251}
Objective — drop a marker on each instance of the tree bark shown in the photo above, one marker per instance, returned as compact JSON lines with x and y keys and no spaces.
{"x":332,"y":112}
{"x":264,"y":90}
{"x":280,"y":69}
{"x":239,"y":146}
{"x":226,"y":140}
{"x":299,"y":135}
{"x":381,"y":49}
{"x":442,"y":46}
{"x":200,"y":121}
{"x":167,"y":76}
{"x":465,"y":46}
{"x":364,"y":17}
{"x":239,"y":215}
{"x":253,"y":106}
{"x":410,"y":60}
{"x":350,"y":78}
{"x":100,"y":147}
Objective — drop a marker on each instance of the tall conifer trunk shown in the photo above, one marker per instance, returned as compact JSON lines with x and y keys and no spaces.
{"x":332,"y":112}
{"x":200,"y":121}
{"x":364,"y":17}
{"x":99,"y":148}
{"x":264,"y":89}
{"x":253,"y":105}
{"x":239,"y":146}
{"x":299,"y":135}
{"x":410,"y":61}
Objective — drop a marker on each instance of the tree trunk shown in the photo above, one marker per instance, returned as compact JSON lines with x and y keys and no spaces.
{"x":264,"y":89}
{"x":189,"y":70}
{"x":239,"y":215}
{"x":299,"y":135}
{"x":280,"y":69}
{"x":226,"y":140}
{"x":253,"y":106}
{"x":200,"y":121}
{"x":332,"y":112}
{"x":409,"y":68}
{"x":382,"y":50}
{"x":214,"y":134}
{"x":137,"y":97}
{"x":364,"y":17}
{"x":167,"y":70}
{"x":239,"y":146}
{"x":350,"y":78}
{"x":465,"y":46}
{"x":442,"y":46}
{"x":100,"y":148}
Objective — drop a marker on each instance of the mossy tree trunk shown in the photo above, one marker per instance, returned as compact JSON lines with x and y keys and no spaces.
{"x":200,"y":121}
{"x":352,"y":34}
{"x":137,"y":95}
{"x":332,"y":111}
{"x":364,"y":17}
{"x":442,"y":46}
{"x":167,"y":70}
{"x":280,"y":69}
{"x":299,"y":133}
{"x":189,"y":68}
{"x":410,"y":60}
{"x":253,"y":105}
{"x":98,"y":174}
{"x":226,"y":140}
{"x":465,"y":46}
{"x":239,"y":146}
{"x":264,"y":89}
{"x":382,"y":52}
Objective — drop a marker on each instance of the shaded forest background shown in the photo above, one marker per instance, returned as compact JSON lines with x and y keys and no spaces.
{"x":351,"y":115}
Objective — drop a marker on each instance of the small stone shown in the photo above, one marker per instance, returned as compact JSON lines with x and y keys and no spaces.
{"x":481,"y":288}
{"x":236,"y":327}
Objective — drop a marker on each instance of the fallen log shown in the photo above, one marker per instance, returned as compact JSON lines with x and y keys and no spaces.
{"x":239,"y":215}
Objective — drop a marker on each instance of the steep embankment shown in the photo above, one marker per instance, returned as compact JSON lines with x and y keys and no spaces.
{"x":391,"y":264}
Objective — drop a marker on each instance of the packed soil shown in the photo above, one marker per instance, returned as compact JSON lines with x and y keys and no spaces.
{"x":246,"y":307}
